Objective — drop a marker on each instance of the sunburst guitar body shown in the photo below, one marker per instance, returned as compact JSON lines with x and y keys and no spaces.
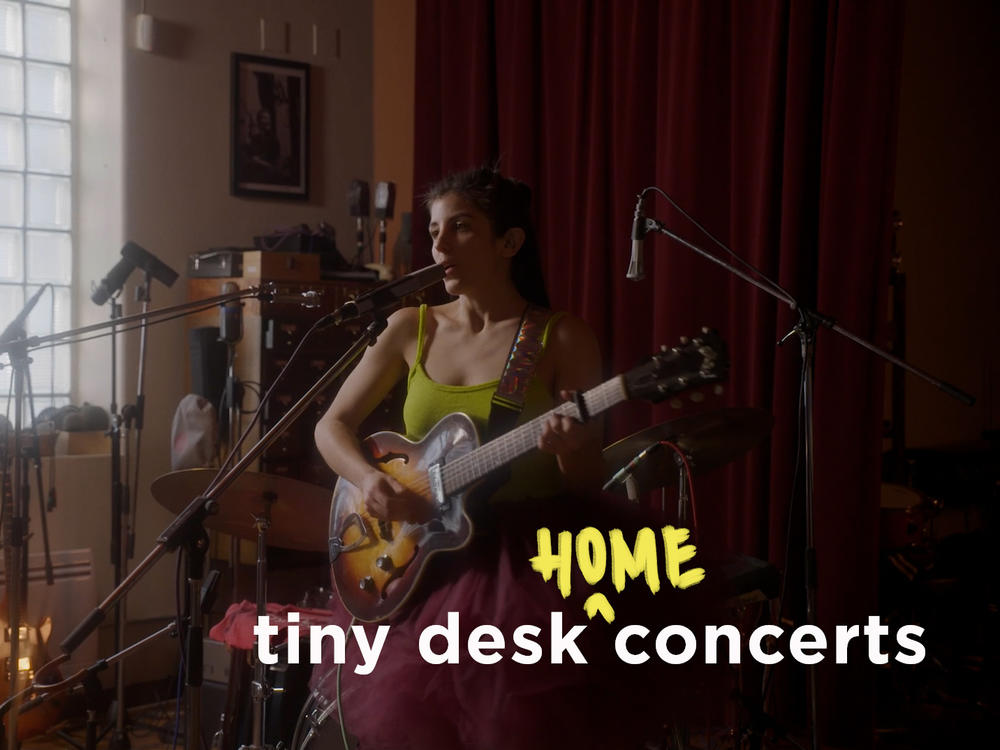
{"x":374,"y":563}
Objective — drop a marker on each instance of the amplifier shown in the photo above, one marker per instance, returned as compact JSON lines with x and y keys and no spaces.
{"x":216,"y":262}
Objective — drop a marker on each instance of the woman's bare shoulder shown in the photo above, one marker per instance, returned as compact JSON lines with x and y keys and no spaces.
{"x":401,"y":330}
{"x":569,"y":331}
{"x":576,"y":353}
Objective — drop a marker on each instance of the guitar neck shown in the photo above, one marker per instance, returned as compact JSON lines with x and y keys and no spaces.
{"x":473,"y":466}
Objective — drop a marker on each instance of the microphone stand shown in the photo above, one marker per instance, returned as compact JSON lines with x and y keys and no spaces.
{"x":264,"y":292}
{"x":15,"y":529}
{"x":124,"y":493}
{"x":86,"y":681}
{"x":808,"y":323}
{"x":187,"y":530}
{"x":15,"y":534}
{"x":119,"y":501}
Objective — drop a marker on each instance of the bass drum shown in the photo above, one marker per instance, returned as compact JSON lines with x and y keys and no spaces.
{"x":290,"y":683}
{"x":318,"y":727}
{"x":904,"y":518}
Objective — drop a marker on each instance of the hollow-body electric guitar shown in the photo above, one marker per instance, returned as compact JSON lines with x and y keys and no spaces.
{"x":375,"y":564}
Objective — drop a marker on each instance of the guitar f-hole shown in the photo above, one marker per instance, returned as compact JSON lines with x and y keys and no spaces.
{"x":387,"y":457}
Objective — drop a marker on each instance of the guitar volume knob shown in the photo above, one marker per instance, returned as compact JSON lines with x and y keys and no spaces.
{"x":367,"y":583}
{"x":384,"y":562}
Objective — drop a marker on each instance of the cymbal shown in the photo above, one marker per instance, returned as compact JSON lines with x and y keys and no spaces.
{"x":299,"y":511}
{"x":709,"y":441}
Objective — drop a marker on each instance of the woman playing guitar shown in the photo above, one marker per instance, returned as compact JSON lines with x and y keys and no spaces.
{"x":452,"y":356}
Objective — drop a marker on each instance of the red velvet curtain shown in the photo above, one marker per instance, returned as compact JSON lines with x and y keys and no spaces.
{"x":773,"y":123}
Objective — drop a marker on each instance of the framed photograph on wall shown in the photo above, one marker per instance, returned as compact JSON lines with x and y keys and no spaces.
{"x":270,"y":128}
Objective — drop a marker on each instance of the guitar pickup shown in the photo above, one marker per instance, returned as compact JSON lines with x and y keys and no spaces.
{"x":385,"y":530}
{"x":437,"y":486}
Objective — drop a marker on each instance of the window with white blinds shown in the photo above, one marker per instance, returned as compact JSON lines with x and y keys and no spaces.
{"x":36,"y":184}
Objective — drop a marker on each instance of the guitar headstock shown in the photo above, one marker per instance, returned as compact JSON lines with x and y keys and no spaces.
{"x":691,"y":363}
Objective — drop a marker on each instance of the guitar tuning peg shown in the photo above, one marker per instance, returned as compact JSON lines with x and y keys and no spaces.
{"x":684,"y":339}
{"x":706,"y":329}
{"x":664,"y":348}
{"x":697,"y":397}
{"x":718,"y":390}
{"x":676,"y":403}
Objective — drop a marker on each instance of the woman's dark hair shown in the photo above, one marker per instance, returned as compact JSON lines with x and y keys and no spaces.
{"x":507,"y":204}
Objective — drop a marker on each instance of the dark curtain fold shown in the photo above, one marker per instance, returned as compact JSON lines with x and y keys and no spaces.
{"x":773,"y":123}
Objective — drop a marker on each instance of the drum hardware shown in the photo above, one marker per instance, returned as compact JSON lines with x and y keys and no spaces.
{"x":905,"y":517}
{"x":684,"y":492}
{"x":260,"y":689}
{"x":296,"y":522}
{"x":705,"y":441}
{"x":315,"y":712}
{"x":277,"y":511}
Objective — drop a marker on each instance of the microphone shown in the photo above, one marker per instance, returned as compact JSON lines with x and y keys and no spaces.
{"x":358,"y":206}
{"x":635,"y":271}
{"x":387,"y":295}
{"x":230,"y":316}
{"x":626,"y":471}
{"x":133,"y":257}
{"x":156,"y":268}
{"x":307,"y":298}
{"x":15,"y":329}
{"x":385,"y":201}
{"x":111,"y":284}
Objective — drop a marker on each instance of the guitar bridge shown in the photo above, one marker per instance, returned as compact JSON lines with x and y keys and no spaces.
{"x":337,"y":545}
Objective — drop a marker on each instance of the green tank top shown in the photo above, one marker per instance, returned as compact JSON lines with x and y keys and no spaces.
{"x":427,"y":401}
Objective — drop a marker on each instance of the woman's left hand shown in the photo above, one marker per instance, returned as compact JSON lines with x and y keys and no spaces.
{"x":564,"y":437}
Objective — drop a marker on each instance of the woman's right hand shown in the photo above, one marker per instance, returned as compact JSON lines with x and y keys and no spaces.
{"x":388,"y":500}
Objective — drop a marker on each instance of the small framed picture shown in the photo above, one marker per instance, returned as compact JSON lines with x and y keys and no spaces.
{"x":270,"y":128}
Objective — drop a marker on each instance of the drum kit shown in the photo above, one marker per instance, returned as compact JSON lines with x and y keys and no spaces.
{"x":288,"y":513}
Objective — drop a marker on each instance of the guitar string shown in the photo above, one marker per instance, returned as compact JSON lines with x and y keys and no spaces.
{"x":472,"y":466}
{"x":467,"y":469}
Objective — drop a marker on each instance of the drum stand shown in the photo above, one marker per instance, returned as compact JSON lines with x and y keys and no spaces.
{"x":683,"y":491}
{"x":260,"y":690}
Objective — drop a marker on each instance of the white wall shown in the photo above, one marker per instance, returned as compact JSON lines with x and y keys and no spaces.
{"x":177,"y":159}
{"x":152,"y":166}
{"x":98,"y":209}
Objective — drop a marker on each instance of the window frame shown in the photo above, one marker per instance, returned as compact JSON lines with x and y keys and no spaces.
{"x":51,"y":370}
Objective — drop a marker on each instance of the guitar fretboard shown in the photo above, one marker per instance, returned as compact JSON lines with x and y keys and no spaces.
{"x":473,"y":466}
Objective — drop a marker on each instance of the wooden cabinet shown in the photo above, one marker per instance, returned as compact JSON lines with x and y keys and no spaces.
{"x":271,"y":332}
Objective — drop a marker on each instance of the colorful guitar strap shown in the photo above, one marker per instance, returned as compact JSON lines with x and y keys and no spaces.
{"x":525,"y":352}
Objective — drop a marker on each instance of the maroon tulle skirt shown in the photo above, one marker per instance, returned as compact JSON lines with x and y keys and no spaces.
{"x":407,"y":703}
